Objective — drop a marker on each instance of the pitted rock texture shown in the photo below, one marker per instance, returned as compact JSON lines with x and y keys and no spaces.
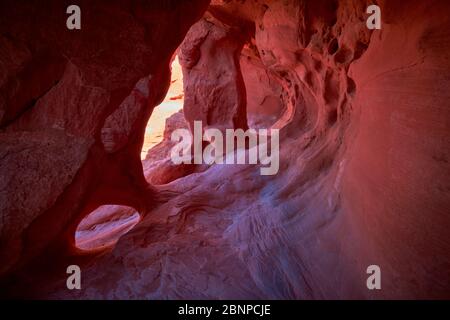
{"x":364,"y":148}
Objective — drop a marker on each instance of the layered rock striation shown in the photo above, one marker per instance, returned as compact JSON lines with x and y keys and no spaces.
{"x":364,"y":147}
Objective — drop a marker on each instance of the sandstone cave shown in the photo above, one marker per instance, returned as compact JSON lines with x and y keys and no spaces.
{"x":364,"y":144}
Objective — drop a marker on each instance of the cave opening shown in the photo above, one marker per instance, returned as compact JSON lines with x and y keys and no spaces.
{"x":172,"y":104}
{"x":264,"y":109}
{"x":103,"y":227}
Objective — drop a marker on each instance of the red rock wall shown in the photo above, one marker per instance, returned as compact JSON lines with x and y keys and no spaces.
{"x":213,"y":83}
{"x":396,"y":182}
{"x":65,"y":145}
{"x":363,"y":179}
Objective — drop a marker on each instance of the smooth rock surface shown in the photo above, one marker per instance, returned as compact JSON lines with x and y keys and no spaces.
{"x":364,"y":174}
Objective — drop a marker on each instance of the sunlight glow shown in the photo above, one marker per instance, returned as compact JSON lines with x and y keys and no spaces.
{"x":173,"y":103}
